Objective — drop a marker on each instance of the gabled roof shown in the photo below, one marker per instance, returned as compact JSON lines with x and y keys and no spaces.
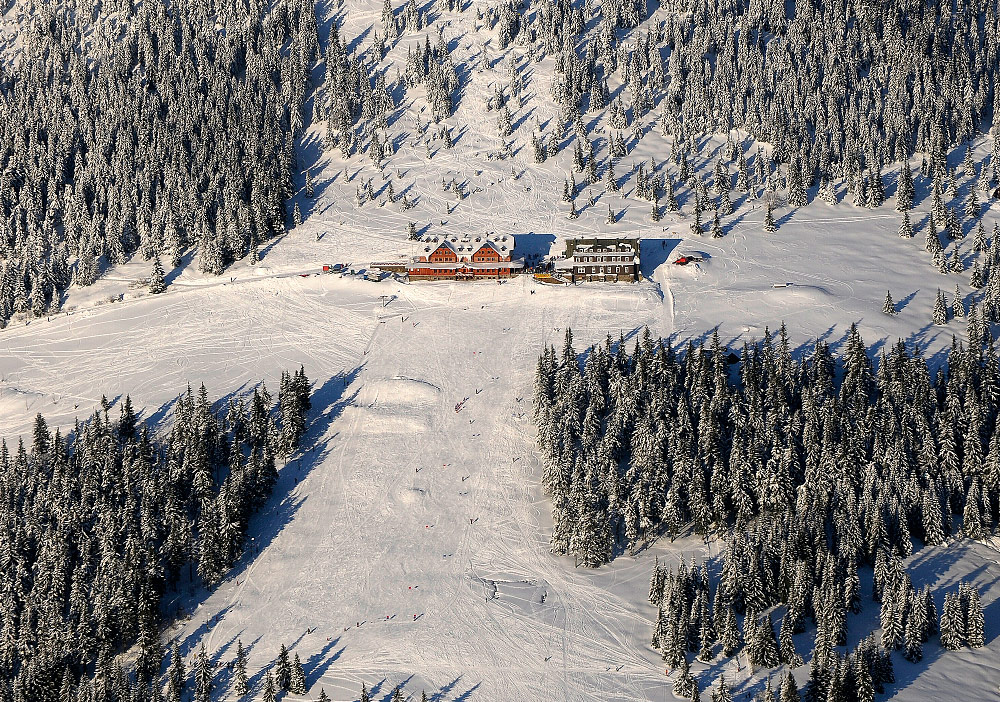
{"x":466,"y":246}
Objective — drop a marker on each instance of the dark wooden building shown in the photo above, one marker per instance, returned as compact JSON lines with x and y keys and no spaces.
{"x":603,"y":260}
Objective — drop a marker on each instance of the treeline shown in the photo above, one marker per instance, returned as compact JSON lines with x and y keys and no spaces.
{"x":694,"y":620}
{"x":96,"y":526}
{"x":808,"y":468}
{"x":153,"y":135}
{"x":655,"y":441}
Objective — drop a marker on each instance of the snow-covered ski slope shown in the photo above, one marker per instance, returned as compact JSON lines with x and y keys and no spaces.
{"x":403,"y":507}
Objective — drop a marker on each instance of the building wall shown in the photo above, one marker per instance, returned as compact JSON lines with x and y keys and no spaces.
{"x":418,"y":273}
{"x":443,"y":255}
{"x":605,"y":271}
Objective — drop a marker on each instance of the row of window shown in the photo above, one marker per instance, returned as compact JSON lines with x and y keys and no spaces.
{"x":601,"y":270}
{"x":603,"y":258}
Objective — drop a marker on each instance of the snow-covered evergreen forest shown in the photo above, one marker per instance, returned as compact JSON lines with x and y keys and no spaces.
{"x":99,"y":524}
{"x":171,"y":131}
{"x":808,"y":469}
{"x":154,"y":132}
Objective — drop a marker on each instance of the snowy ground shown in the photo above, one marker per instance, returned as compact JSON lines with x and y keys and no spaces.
{"x":374,"y":520}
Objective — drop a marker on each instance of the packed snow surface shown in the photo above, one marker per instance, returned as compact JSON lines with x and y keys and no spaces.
{"x":409,"y":543}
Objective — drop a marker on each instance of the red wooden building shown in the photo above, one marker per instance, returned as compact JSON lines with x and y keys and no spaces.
{"x":466,"y":258}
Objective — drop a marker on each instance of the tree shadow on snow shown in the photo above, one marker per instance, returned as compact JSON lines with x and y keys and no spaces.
{"x":328,"y":402}
{"x":317,"y":664}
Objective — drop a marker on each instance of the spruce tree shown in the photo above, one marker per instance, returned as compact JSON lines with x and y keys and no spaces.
{"x":156,"y":282}
{"x":769,"y":224}
{"x":270,"y":692}
{"x":952,"y":627}
{"x":203,"y":676}
{"x":789,"y":690}
{"x":904,"y":189}
{"x":241,"y":683}
{"x":696,"y":228}
{"x":786,"y":645}
{"x":176,"y":675}
{"x":297,"y":681}
{"x":939,"y":316}
{"x":974,"y":630}
{"x":913,"y":637}
{"x":283,"y":670}
{"x":905,"y":228}
{"x":888,"y":307}
{"x":957,"y":304}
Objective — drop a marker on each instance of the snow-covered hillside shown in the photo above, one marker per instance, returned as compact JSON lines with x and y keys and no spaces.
{"x":402,"y":507}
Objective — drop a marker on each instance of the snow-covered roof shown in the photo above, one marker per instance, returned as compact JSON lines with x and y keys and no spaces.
{"x":503,"y":244}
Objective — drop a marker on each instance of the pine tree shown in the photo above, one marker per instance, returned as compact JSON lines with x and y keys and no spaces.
{"x":283,"y":670}
{"x":270,"y":692}
{"x":769,"y":225}
{"x":974,"y":629}
{"x":156,"y":282}
{"x":939,"y":316}
{"x":297,"y":681}
{"x":905,"y":228}
{"x":888,"y":307}
{"x":241,"y":683}
{"x":203,"y":676}
{"x":611,"y":216}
